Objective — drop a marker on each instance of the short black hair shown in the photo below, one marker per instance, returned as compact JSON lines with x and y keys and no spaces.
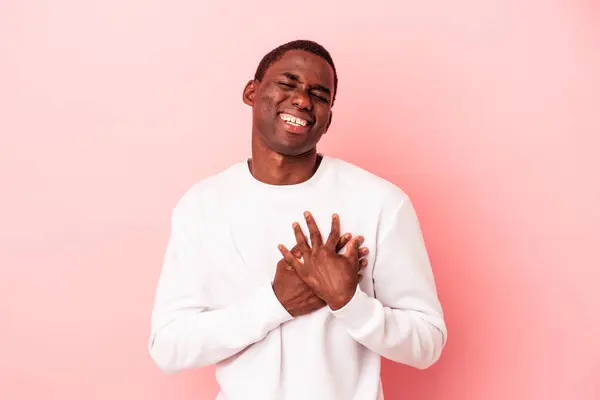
{"x":305,"y":45}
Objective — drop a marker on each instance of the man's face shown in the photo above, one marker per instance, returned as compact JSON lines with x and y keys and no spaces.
{"x":291,"y":105}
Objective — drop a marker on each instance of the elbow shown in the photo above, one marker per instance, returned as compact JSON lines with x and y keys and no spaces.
{"x":429,"y":349}
{"x":424,"y":363}
{"x":422,"y":359}
{"x":162,"y":359}
{"x":172,"y":355}
{"x":423,"y":349}
{"x":164,"y":355}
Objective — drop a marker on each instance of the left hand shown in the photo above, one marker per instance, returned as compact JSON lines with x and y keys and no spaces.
{"x":292,"y":292}
{"x":332,"y":276}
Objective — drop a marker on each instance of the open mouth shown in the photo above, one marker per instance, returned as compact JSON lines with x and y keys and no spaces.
{"x":294,"y":121}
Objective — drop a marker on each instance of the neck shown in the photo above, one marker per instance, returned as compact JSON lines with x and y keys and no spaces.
{"x":274,"y":168}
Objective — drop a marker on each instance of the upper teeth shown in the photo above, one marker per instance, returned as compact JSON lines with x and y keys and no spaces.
{"x":293,"y":120}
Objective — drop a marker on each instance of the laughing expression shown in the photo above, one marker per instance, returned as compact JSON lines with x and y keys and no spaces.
{"x":292,"y":103}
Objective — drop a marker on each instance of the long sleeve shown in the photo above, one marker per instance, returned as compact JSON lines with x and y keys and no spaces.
{"x":185,"y":332}
{"x":404,"y":321}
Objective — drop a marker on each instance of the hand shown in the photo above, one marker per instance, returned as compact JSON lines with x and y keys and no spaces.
{"x":291,"y":291}
{"x":332,"y":277}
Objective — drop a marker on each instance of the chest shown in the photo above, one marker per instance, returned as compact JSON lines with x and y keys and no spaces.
{"x":239,"y":242}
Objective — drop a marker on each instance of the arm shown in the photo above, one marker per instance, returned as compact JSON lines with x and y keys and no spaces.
{"x":404,"y":323}
{"x":185,"y":333}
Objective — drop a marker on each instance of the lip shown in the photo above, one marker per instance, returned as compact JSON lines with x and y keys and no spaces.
{"x":308,"y":118}
{"x":295,"y":129}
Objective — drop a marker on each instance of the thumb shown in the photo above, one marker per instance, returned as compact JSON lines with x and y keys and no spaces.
{"x":352,"y":249}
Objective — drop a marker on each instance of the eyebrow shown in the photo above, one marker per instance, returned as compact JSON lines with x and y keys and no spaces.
{"x":296,"y":78}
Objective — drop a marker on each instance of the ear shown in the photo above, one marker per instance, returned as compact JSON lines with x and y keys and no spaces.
{"x":249,"y":93}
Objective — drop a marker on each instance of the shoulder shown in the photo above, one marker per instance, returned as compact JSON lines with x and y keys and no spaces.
{"x":208,"y":191}
{"x":362,"y":181}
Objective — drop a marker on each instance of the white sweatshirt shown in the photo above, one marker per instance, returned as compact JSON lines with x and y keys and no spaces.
{"x":215,"y":303}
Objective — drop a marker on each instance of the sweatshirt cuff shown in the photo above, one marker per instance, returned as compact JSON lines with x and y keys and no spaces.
{"x":268,"y":303}
{"x":359,"y":314}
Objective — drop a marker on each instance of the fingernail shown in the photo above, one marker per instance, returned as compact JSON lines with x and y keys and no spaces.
{"x":295,"y":225}
{"x":362,"y":239}
{"x":347,"y":236}
{"x":335,"y":216}
{"x":306,"y":214}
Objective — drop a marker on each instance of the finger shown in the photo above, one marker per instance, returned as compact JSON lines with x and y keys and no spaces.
{"x":363,"y":263}
{"x":315,"y":235}
{"x":294,"y":249}
{"x":352,"y":249}
{"x":296,"y":252}
{"x":287,"y":266}
{"x":300,"y":238}
{"x":343,"y":241}
{"x":334,"y":234}
{"x":289,"y":257}
{"x":362,"y":252}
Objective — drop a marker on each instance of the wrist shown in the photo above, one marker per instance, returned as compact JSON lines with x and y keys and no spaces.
{"x":277,"y":291}
{"x":341,"y":301}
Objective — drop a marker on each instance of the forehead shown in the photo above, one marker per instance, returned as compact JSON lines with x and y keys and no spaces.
{"x":307,"y":66}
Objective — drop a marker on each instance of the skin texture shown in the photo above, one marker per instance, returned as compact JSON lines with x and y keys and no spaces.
{"x":301,"y":84}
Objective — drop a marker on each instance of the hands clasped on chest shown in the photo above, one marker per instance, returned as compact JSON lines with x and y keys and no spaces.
{"x":312,"y":276}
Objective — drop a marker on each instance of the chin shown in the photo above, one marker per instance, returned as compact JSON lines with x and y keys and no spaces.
{"x":292,"y":147}
{"x":287,"y":144}
{"x":291,"y":151}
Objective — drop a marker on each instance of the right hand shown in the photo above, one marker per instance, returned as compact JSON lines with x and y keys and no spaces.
{"x":295,"y":295}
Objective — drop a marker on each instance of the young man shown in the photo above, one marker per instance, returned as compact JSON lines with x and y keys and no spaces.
{"x":256,"y":278}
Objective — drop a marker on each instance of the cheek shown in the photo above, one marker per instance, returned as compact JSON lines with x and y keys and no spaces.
{"x":267,"y":104}
{"x":323,"y":119}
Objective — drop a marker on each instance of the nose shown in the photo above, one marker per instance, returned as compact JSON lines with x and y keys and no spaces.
{"x":302,"y":100}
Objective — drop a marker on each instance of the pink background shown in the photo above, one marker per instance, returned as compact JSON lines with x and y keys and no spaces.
{"x":486,"y":112}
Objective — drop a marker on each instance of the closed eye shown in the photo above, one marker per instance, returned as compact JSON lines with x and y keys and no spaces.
{"x":321,"y":98}
{"x":291,"y":86}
